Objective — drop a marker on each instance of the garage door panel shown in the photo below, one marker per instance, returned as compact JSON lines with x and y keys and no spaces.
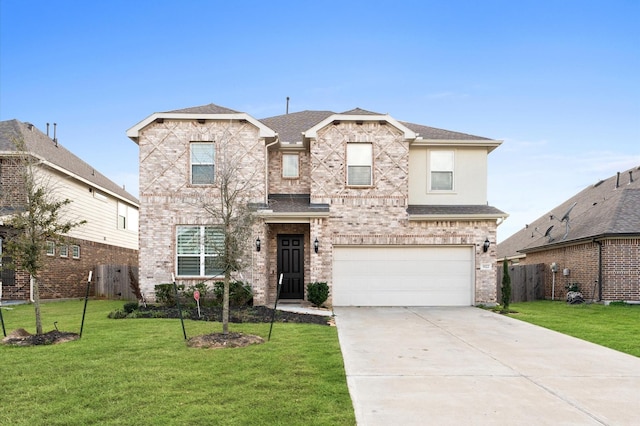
{"x":402,"y":276}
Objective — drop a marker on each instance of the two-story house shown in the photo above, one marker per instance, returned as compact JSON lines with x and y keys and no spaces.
{"x":386,"y":212}
{"x":109,"y":236}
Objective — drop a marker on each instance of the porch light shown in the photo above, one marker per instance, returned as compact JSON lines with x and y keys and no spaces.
{"x":485,"y":245}
{"x":316,"y":245}
{"x":258,"y":244}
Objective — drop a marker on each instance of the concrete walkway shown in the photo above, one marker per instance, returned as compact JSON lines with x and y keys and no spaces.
{"x":468,"y":366}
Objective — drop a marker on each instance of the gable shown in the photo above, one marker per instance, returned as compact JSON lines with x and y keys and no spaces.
{"x":204,"y":112}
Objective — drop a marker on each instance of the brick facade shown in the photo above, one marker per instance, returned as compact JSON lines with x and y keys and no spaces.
{"x":618,"y":277}
{"x":66,"y":277}
{"x":373,"y":215}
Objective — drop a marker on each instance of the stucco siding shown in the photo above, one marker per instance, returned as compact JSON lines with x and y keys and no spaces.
{"x":470,"y":178}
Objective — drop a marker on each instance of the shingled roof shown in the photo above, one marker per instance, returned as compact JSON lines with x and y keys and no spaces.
{"x":607,"y":208}
{"x":291,"y":126}
{"x":44,"y":147}
{"x":204,"y":109}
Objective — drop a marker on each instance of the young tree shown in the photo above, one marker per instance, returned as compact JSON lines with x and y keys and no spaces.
{"x":38,"y":218}
{"x":506,"y":287}
{"x":233,"y":209}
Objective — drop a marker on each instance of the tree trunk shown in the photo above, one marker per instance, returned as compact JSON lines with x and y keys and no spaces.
{"x":225,"y":304}
{"x":36,"y":304}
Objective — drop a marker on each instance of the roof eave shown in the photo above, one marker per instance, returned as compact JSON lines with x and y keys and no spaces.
{"x":134,"y":132}
{"x":577,"y":241}
{"x":290,"y":217}
{"x":312,"y":133}
{"x":490,"y":144}
{"x":478,"y":216}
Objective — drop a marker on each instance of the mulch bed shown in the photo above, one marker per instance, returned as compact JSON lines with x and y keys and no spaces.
{"x":240,"y":314}
{"x":21,"y":337}
{"x":237,"y":314}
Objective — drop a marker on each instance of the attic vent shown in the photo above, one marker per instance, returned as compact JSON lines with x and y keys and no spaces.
{"x":598,"y":183}
{"x":630,"y":177}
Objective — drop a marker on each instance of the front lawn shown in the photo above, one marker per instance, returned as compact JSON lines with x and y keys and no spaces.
{"x":140,"y":371}
{"x":612,"y":326}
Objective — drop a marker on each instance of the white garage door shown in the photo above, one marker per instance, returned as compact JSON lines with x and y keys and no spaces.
{"x":403,"y":276}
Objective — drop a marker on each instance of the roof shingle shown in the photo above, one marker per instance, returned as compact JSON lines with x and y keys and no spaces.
{"x":41,"y":145}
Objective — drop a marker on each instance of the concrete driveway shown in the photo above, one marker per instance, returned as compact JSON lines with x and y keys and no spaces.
{"x":468,"y":366}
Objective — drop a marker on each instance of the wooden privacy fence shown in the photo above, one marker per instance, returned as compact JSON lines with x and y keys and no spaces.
{"x":527,"y":282}
{"x":114,"y":281}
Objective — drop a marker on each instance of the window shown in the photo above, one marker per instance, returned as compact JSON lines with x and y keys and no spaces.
{"x":7,"y":275}
{"x":75,"y":251}
{"x":64,"y":251}
{"x":202,"y":163}
{"x":441,"y":170}
{"x":197,"y":248}
{"x":99,"y":196}
{"x":359,"y":160}
{"x":127,"y":217}
{"x":290,"y":165}
{"x":51,"y":248}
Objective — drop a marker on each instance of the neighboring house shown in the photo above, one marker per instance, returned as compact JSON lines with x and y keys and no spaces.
{"x":593,"y":238}
{"x":110,"y":236}
{"x":386,"y":212}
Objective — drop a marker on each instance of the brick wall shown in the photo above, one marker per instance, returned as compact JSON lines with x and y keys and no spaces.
{"x":621,"y":274}
{"x":167,"y":198}
{"x":280,"y":185}
{"x":67,"y":277}
{"x":620,"y":269}
{"x":11,"y":184}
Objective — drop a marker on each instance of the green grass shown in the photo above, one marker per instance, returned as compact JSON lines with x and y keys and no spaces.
{"x":612,"y":326}
{"x":140,"y":371}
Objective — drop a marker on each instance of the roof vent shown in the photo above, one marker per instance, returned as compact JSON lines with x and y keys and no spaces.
{"x":630,"y":177}
{"x":617,"y":180}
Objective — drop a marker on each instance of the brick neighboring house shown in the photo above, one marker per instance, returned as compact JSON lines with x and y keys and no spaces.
{"x":386,"y":212}
{"x":110,"y":236}
{"x":593,"y":238}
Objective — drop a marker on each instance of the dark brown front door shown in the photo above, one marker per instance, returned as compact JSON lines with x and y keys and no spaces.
{"x":291,"y":264}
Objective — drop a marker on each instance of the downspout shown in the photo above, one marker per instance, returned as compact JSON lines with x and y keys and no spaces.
{"x":266,"y":170}
{"x":599,"y":243}
{"x":31,"y":288}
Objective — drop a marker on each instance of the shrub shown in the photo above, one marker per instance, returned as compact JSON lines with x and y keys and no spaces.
{"x":130,"y":307}
{"x":240,"y":293}
{"x":165,"y":294}
{"x":204,"y":293}
{"x":575,"y":287}
{"x":118,"y":314}
{"x":506,"y":287}
{"x":317,"y":293}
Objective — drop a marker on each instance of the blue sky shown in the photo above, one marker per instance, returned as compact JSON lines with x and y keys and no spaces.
{"x":558,"y":81}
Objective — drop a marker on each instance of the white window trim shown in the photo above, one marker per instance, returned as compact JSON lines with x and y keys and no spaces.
{"x":75,"y":248}
{"x":297,"y":175}
{"x":453,"y":173}
{"x":51,"y":248}
{"x":192,"y":163}
{"x":64,"y":251}
{"x":370,"y":165}
{"x":202,"y":253}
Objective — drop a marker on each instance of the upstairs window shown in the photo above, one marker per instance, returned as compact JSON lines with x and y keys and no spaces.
{"x":441,"y":170}
{"x":127,"y":217}
{"x":51,"y":248}
{"x":197,"y":249}
{"x":75,"y":251}
{"x":64,"y":251}
{"x":359,"y":164}
{"x":202,"y":163}
{"x":290,"y":166}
